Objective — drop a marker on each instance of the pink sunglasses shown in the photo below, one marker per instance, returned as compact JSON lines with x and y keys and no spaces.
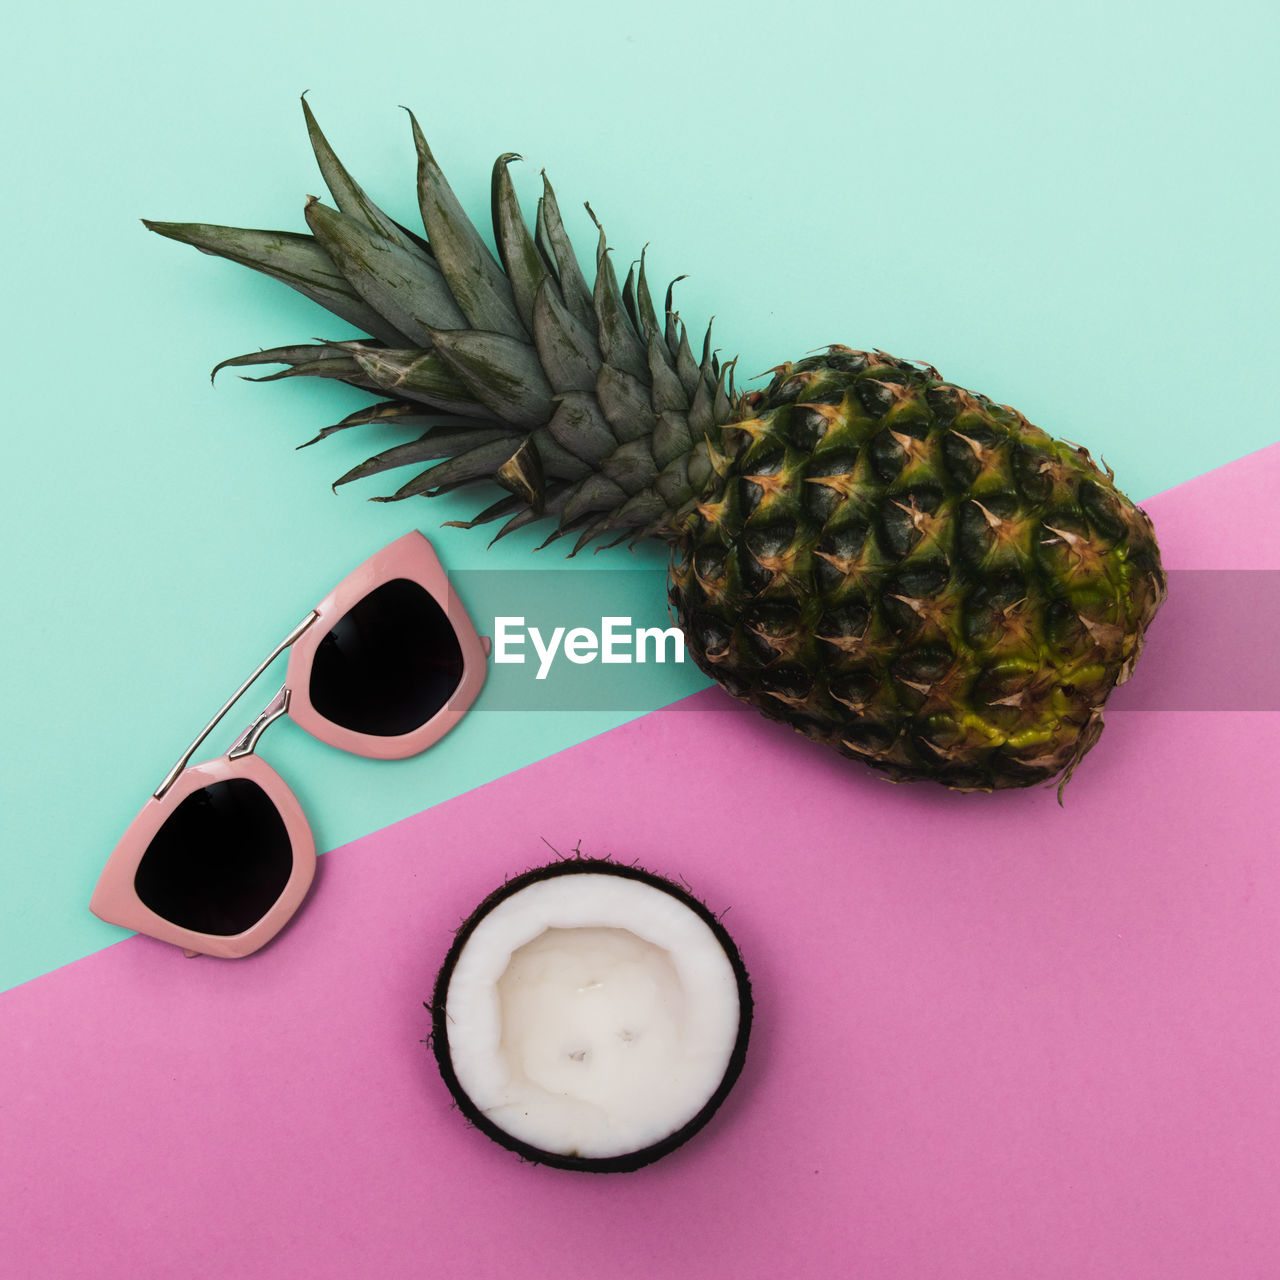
{"x":221,"y":856}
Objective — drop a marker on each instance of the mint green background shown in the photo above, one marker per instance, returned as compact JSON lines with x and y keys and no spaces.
{"x":1069,"y":207}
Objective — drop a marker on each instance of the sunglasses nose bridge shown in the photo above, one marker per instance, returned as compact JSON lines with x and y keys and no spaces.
{"x":248,"y":740}
{"x":172,"y":776}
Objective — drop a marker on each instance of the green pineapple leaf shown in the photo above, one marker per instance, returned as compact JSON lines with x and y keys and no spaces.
{"x":424,"y":376}
{"x":580,"y":427}
{"x":481,"y":463}
{"x":349,"y":196}
{"x":394,"y":413}
{"x":295,"y":260}
{"x":525,"y":267}
{"x":442,"y":441}
{"x":295,"y":354}
{"x":567,"y":349}
{"x":573,"y":286}
{"x":503,"y":373}
{"x":476,"y":281}
{"x":618,"y":339}
{"x":403,"y":285}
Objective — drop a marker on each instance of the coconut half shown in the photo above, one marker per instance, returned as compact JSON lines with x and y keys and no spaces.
{"x":591,"y":1016}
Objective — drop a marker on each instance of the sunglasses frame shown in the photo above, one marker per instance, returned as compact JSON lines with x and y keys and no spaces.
{"x":410,"y":557}
{"x":115,"y":899}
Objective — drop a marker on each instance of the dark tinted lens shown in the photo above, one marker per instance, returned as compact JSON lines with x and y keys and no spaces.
{"x":388,"y":664}
{"x":220,"y":860}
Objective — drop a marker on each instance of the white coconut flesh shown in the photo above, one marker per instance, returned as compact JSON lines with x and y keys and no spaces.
{"x":591,"y":1015}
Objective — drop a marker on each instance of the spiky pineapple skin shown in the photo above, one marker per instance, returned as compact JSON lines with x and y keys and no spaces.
{"x":914,"y":575}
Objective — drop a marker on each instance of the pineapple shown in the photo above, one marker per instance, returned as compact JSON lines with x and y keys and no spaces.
{"x":889,"y":563}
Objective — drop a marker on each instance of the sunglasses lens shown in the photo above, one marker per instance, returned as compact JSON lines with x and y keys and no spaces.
{"x":220,"y":860}
{"x":388,"y":664}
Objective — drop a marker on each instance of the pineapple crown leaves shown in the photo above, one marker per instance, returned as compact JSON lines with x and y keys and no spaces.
{"x":580,"y":400}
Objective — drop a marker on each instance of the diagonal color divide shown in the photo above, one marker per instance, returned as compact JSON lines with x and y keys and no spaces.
{"x":1046,"y":1036}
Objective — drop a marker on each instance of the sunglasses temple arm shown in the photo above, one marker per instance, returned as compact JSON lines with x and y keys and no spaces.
{"x":173,"y":773}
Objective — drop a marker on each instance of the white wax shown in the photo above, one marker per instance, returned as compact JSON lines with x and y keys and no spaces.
{"x":591,"y":1014}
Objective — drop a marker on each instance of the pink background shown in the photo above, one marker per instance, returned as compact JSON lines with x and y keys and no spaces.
{"x":994,"y":1037}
